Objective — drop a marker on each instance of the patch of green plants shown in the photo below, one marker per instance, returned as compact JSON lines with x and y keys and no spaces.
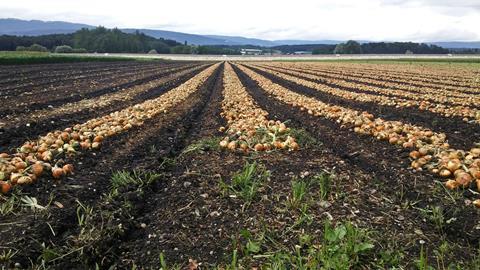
{"x":8,"y":205}
{"x":298,"y":194}
{"x":342,"y":247}
{"x":304,"y":138}
{"x":203,"y":145}
{"x":26,"y":58}
{"x":324,"y":182}
{"x":247,"y":181}
{"x":136,"y":178}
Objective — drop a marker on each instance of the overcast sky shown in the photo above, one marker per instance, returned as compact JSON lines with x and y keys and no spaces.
{"x":401,"y":20}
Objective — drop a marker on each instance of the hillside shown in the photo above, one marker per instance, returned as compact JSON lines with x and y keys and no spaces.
{"x":19,"y":27}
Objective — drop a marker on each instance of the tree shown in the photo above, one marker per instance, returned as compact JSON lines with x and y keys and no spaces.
{"x":63,"y":49}
{"x":350,"y":47}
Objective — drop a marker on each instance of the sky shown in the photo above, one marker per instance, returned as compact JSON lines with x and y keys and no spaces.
{"x":375,"y":20}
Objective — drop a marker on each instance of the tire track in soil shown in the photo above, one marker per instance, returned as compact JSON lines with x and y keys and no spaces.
{"x":13,"y":137}
{"x":461,"y":135}
{"x":55,"y":101}
{"x":127,"y":151}
{"x":383,"y":162}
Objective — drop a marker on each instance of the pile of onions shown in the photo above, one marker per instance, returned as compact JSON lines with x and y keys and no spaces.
{"x":432,"y":150}
{"x":248,"y":125}
{"x":33,"y":158}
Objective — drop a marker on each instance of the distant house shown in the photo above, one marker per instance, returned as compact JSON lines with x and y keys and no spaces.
{"x":302,"y":53}
{"x":251,"y":52}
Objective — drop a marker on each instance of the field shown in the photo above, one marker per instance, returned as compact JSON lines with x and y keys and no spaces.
{"x":240,"y":165}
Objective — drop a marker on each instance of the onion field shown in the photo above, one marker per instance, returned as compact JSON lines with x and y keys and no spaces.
{"x":240,"y":165}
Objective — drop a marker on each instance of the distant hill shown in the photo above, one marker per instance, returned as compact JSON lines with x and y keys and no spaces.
{"x":457,"y":44}
{"x":18,"y":27}
{"x":178,"y":36}
{"x":36,"y":27}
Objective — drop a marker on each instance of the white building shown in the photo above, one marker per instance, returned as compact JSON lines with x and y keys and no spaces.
{"x":251,"y":52}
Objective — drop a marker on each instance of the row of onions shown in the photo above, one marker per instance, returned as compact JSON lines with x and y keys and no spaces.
{"x":90,"y":81}
{"x":47,"y":153}
{"x":462,"y":111}
{"x":248,"y":125}
{"x":430,"y":150}
{"x":381,"y":86}
{"x":122,"y":95}
{"x":417,"y":76}
{"x":463,"y":79}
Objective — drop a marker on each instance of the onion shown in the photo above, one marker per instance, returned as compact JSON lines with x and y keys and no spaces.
{"x":68,"y":168}
{"x":294,"y":146}
{"x":232,"y":145}
{"x":476,"y":203}
{"x":57,"y":172}
{"x":223,"y":143}
{"x":259,"y":147}
{"x":98,"y":139}
{"x":451,"y":184}
{"x":453,"y":165}
{"x":463,"y":178}
{"x":23,"y":180}
{"x":5,"y":187}
{"x":445,"y":173}
{"x":37,"y":169}
{"x":95,"y":145}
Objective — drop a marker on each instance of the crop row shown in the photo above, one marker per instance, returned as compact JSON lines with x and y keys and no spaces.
{"x":442,"y":93}
{"x":122,"y":95}
{"x":59,"y":71}
{"x":248,"y":125}
{"x":429,"y":150}
{"x":93,"y":76}
{"x":46,"y":153}
{"x":465,"y":112}
{"x":416,"y":77}
{"x":454,"y":75}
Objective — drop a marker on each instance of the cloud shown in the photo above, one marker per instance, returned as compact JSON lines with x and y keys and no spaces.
{"x":416,"y":20}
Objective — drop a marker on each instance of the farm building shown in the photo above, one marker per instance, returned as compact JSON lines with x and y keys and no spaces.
{"x":251,"y":52}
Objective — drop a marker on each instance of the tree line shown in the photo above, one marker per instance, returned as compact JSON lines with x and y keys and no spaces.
{"x":353,"y":47}
{"x":100,"y":39}
{"x":103,"y":40}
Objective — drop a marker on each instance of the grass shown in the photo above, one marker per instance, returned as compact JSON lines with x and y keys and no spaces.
{"x":203,"y":145}
{"x":303,"y":138}
{"x":24,"y":58}
{"x":299,"y":191}
{"x":341,"y":247}
{"x":324,"y":182}
{"x":247,"y":181}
